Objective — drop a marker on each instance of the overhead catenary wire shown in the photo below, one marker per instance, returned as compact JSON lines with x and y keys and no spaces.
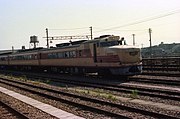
{"x":117,"y":28}
{"x":71,"y":28}
{"x":141,"y":21}
{"x":121,"y":29}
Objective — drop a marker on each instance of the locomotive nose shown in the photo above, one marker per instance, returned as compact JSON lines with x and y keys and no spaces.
{"x":127,"y":54}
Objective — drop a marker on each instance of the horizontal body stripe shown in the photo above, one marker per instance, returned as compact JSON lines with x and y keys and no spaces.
{"x":108,"y":59}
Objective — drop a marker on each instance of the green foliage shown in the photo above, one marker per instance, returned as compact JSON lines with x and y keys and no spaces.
{"x":48,"y":81}
{"x":11,"y":77}
{"x":134,"y":93}
{"x":88,"y":92}
{"x":66,"y":87}
{"x":110,"y":96}
{"x":24,"y":77}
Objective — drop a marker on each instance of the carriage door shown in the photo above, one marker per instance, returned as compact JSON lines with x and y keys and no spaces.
{"x":95,"y":52}
{"x":39,"y":58}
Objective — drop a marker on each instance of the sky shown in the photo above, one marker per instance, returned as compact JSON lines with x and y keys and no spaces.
{"x":20,"y":19}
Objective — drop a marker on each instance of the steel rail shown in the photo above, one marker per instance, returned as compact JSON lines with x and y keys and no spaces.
{"x":132,"y":109}
{"x":13,"y":110}
{"x":155,"y":81}
{"x":118,"y":88}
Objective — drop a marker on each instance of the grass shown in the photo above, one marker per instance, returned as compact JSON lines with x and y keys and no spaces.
{"x":96,"y":92}
{"x":24,"y":78}
{"x":112,"y":97}
{"x":48,"y":81}
{"x":134,"y":93}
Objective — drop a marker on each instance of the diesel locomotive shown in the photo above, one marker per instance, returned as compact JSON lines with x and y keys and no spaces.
{"x":103,"y":55}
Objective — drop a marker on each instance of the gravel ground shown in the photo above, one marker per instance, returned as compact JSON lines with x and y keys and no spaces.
{"x":153,"y":99}
{"x":89,"y":114}
{"x":147,"y":98}
{"x":157,"y":77}
{"x":135,"y":105}
{"x":63,"y":106}
{"x":7,"y":114}
{"x":24,"y":108}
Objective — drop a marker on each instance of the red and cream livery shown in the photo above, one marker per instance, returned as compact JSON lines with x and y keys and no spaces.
{"x":105,"y":54}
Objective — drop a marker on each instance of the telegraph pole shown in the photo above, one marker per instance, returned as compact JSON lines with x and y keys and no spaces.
{"x":47,"y":37}
{"x":142,"y":45}
{"x":133,"y":39}
{"x":91,"y":32}
{"x":12,"y":48}
{"x":150,"y":31}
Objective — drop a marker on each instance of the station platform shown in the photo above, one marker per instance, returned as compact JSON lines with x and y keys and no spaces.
{"x":39,"y":105}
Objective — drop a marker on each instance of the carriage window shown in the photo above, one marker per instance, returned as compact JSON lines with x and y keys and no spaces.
{"x":72,"y":54}
{"x":19,"y":57}
{"x":35,"y":56}
{"x":66,"y":54}
{"x":98,"y":44}
{"x":60,"y":55}
{"x":80,"y":53}
{"x":52,"y":55}
{"x":2,"y":58}
{"x":49,"y":56}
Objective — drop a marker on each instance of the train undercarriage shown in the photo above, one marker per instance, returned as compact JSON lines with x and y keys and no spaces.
{"x":121,"y":71}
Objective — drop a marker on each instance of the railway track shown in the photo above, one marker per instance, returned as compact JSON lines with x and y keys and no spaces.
{"x":162,"y":73}
{"x":156,"y":81}
{"x":7,"y":111}
{"x":95,"y":105}
{"x":152,"y":92}
{"x":161,"y":66}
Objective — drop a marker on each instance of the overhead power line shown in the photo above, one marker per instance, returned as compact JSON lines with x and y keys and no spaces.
{"x":122,"y":29}
{"x":141,"y":21}
{"x":71,"y":28}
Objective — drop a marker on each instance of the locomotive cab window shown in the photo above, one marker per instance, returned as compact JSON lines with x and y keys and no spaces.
{"x":108,"y":43}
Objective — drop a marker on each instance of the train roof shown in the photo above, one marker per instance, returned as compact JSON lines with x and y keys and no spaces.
{"x":103,"y":38}
{"x":29,"y":50}
{"x":5,"y":52}
{"x":124,"y":47}
{"x":71,"y":43}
